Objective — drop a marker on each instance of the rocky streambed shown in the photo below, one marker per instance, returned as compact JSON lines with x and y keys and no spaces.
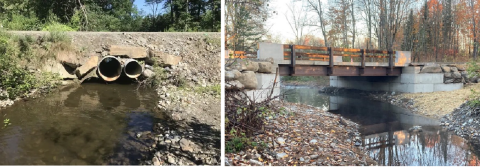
{"x":189,"y":95}
{"x":304,"y":135}
{"x":465,"y":122}
{"x":192,"y":137}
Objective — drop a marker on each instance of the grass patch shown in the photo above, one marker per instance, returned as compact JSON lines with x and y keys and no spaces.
{"x":17,"y":54}
{"x":159,"y":76}
{"x":212,"y":40}
{"x":215,"y":89}
{"x":58,"y":27}
{"x":239,"y":143}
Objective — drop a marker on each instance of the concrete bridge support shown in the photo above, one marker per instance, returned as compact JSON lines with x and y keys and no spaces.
{"x":410,"y":81}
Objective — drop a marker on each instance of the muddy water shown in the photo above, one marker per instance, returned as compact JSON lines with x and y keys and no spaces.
{"x":78,"y":125}
{"x":386,"y":131}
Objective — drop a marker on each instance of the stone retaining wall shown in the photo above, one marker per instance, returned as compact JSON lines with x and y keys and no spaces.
{"x":247,"y":74}
{"x":452,"y":73}
{"x":255,"y":76}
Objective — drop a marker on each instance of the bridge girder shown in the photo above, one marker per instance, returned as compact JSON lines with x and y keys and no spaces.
{"x":320,"y":70}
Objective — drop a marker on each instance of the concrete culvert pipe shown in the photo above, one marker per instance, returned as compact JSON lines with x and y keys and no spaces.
{"x":109,"y":68}
{"x":132,"y":68}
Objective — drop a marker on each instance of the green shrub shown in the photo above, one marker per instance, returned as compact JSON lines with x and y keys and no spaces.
{"x":241,"y":142}
{"x":22,"y":23}
{"x":473,"y":68}
{"x":213,"y":41}
{"x":17,"y":80}
{"x":57,"y":36}
{"x":57,"y":27}
{"x":156,"y":79}
{"x":215,"y":89}
{"x":236,"y":144}
{"x":474,"y":98}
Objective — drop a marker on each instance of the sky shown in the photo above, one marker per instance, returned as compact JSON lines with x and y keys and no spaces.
{"x":278,"y":24}
{"x":146,"y":9}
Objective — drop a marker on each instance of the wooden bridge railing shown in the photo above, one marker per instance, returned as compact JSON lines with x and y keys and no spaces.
{"x":241,"y":55}
{"x":303,"y":52}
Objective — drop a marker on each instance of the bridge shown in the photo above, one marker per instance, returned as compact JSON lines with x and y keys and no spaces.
{"x":370,"y":70}
{"x":304,"y":60}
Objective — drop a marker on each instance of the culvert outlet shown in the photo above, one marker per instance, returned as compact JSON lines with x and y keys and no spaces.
{"x":110,"y":68}
{"x":132,"y":68}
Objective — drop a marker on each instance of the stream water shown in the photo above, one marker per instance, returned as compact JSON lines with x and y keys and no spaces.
{"x":385,"y":131}
{"x":91,"y":124}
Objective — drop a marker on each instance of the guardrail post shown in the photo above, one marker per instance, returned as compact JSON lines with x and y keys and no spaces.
{"x":330,"y":54}
{"x":390,"y":60}
{"x":292,"y":59}
{"x":363,"y":57}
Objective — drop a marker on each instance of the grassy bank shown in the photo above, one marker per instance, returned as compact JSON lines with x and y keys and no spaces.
{"x":22,"y":58}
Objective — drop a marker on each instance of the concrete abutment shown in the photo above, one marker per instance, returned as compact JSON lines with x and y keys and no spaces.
{"x":410,"y":81}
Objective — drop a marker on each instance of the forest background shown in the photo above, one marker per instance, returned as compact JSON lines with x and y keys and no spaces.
{"x":111,"y":15}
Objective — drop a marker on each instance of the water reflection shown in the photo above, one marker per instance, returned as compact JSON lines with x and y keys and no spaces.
{"x":427,"y":148}
{"x":385,"y":131}
{"x":76,"y":125}
{"x":305,"y":95}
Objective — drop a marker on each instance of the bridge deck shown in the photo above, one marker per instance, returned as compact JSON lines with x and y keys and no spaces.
{"x":320,"y":61}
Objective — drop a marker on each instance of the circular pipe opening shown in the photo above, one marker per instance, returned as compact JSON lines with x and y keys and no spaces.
{"x":110,"y":68}
{"x":133,"y":69}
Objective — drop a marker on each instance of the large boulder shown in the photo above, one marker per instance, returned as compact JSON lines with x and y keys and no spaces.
{"x":474,"y":78}
{"x":148,"y":73}
{"x":68,"y":58}
{"x":431,"y":69}
{"x":461,"y":67}
{"x":447,"y":75}
{"x":458,"y":80}
{"x":237,"y":65}
{"x":63,"y":71}
{"x":229,"y":75}
{"x":232,"y":75}
{"x":248,"y":79}
{"x":445,"y":68}
{"x":229,"y":85}
{"x":456,"y":75}
{"x":449,"y":81}
{"x":265,"y":67}
{"x":250,"y":65}
{"x":163,"y":59}
{"x":85,"y":68}
{"x":130,"y":51}
{"x":454,"y":69}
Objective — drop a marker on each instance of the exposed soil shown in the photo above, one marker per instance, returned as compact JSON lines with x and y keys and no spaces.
{"x":304,"y":135}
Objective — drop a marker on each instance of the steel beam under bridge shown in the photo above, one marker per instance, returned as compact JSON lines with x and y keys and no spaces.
{"x":325,"y":70}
